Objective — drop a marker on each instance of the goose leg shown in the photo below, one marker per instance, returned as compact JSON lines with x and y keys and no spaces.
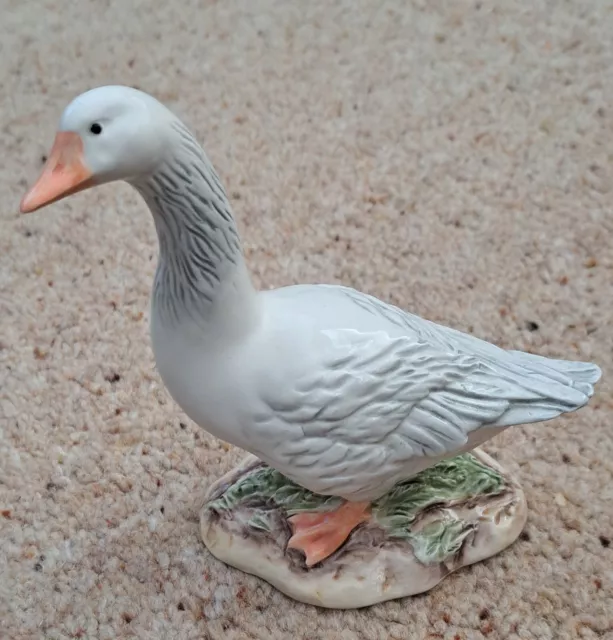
{"x":319,"y":535}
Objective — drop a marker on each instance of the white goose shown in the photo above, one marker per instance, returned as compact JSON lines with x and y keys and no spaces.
{"x":343,"y":393}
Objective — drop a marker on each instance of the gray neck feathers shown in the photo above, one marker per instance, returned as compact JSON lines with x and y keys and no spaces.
{"x":199,"y":244}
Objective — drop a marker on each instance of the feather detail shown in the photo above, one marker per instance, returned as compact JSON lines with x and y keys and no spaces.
{"x":372,"y":408}
{"x":199,"y":242}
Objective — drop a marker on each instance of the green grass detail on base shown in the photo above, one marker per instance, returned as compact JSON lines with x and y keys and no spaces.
{"x":452,"y":480}
{"x":439,"y":540}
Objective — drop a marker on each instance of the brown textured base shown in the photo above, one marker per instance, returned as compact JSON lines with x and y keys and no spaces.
{"x":371,"y":566}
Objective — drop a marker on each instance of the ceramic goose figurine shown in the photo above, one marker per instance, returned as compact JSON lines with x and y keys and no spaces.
{"x":344,"y":394}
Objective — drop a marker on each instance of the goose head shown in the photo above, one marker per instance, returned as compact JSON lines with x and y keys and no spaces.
{"x":105,"y":134}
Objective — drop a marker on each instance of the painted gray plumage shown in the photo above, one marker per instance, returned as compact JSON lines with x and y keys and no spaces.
{"x":197,"y":235}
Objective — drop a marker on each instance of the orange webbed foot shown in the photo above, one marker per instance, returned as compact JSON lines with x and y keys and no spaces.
{"x":319,"y":535}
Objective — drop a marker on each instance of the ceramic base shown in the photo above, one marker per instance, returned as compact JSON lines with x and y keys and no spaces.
{"x":457,"y":513}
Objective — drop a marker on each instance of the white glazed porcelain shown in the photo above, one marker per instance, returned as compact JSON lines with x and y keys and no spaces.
{"x":343,"y":393}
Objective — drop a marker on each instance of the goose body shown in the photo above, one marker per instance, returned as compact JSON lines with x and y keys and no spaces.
{"x":343,"y":393}
{"x":347,"y":395}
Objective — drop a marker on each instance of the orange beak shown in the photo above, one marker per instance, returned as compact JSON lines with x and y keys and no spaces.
{"x":64,"y":173}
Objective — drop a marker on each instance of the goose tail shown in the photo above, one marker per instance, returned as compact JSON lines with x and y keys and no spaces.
{"x":579,"y":375}
{"x":552,"y":387}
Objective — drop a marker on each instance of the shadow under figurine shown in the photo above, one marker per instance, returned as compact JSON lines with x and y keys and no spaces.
{"x":366,"y":482}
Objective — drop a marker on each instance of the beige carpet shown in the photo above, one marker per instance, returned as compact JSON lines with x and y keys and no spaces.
{"x":452,"y":157}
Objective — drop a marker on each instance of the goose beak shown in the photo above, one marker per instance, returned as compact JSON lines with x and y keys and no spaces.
{"x":64,"y":173}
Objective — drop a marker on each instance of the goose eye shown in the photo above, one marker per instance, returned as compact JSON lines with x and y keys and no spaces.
{"x":96,"y":129}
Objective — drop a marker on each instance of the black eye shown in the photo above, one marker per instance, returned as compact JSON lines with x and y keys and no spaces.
{"x":96,"y":129}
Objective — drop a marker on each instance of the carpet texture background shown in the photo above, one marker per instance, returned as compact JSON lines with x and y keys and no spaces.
{"x":453,"y":158}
